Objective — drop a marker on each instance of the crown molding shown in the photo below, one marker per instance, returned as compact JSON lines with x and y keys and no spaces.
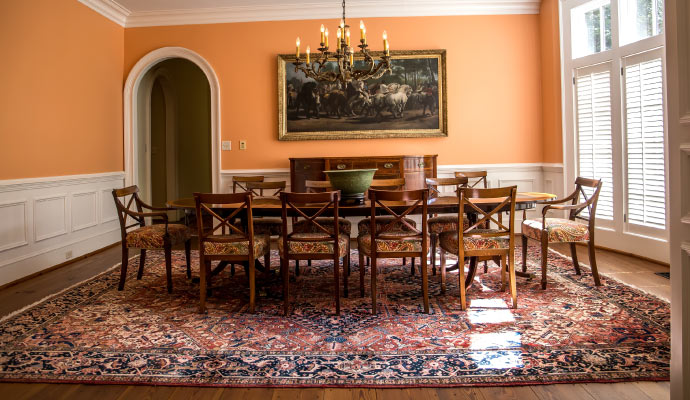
{"x":110,"y":9}
{"x":309,"y":10}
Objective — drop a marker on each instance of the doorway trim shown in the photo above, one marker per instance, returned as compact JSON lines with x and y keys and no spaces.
{"x":131,"y":107}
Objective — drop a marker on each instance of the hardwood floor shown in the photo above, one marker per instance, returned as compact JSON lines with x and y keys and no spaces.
{"x":630,"y":270}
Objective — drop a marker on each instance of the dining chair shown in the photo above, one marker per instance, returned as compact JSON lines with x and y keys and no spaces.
{"x":267,"y":225}
{"x":240,"y":182}
{"x":363,"y":225}
{"x":442,"y":223}
{"x":224,"y":240}
{"x":388,"y":240}
{"x":476,"y":240}
{"x":477,"y":179}
{"x":160,"y":236}
{"x":322,"y":244}
{"x":566,"y":230}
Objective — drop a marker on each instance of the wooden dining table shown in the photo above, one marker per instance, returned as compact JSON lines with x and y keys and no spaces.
{"x":271,"y":206}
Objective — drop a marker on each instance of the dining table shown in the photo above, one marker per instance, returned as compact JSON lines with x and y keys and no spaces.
{"x":272,"y":207}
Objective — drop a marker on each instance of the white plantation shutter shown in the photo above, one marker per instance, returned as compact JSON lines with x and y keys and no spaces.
{"x":644,"y":133}
{"x":593,"y":129}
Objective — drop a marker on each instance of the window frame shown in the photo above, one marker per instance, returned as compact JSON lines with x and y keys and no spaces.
{"x":618,"y":235}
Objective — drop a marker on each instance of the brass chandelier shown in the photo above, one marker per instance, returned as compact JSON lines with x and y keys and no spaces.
{"x":344,"y":57}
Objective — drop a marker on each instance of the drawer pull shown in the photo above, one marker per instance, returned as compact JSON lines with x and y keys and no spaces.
{"x":307,"y":166}
{"x":341,"y":166}
{"x":388,"y":165}
{"x":421,"y":164}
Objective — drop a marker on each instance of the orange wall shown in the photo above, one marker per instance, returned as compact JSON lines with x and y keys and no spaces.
{"x":494,"y":85}
{"x":551,"y":82}
{"x":60,"y":90}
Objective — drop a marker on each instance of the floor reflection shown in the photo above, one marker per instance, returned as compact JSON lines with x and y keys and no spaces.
{"x":489,"y":311}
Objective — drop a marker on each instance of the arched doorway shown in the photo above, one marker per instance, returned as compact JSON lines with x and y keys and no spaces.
{"x":151,"y":82}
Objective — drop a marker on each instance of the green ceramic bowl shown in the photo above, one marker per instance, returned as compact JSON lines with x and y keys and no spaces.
{"x":351,"y":182}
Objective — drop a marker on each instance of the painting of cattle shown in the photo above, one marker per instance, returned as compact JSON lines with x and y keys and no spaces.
{"x":409,"y":101}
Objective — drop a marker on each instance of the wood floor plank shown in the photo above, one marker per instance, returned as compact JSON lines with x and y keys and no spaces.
{"x":508,"y":393}
{"x":561,"y":392}
{"x":100,"y":392}
{"x":137,"y":392}
{"x":298,"y":394}
{"x":196,"y":393}
{"x":349,"y":394}
{"x":405,"y":394}
{"x":246,"y":394}
{"x":21,"y":391}
{"x":463,"y":393}
{"x":612,"y":391}
{"x":655,"y":390}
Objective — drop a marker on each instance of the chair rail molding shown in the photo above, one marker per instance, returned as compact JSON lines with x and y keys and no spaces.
{"x":296,"y":10}
{"x":49,"y":220}
{"x":131,"y":108}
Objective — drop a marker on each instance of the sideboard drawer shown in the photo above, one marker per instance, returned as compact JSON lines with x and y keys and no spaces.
{"x":339,"y":164}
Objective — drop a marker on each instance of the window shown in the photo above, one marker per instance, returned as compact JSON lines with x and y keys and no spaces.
{"x":614,"y":117}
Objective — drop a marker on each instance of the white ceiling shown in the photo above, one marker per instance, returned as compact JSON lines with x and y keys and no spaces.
{"x":132,"y":13}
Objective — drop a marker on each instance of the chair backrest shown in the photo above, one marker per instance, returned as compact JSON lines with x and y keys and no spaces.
{"x":504,"y":197}
{"x":208,"y":227}
{"x":381,"y":202}
{"x":478,"y":178}
{"x":388,"y":184}
{"x":241,"y":182}
{"x":308,"y":207}
{"x":435,"y":185}
{"x":127,"y":208}
{"x":317,"y":186}
{"x":274,"y":188}
{"x":590,"y":201}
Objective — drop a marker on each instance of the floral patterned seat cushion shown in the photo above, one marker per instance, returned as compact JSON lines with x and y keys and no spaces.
{"x":152,"y":236}
{"x":261,"y":246}
{"x":559,"y":230}
{"x":268,"y":226}
{"x":315,"y":247}
{"x":364,"y":225}
{"x":404,"y":244}
{"x":446,"y":223}
{"x":449,"y":241}
{"x":304,"y":227}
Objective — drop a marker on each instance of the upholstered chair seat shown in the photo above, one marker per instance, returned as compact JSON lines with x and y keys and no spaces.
{"x":446,"y":223}
{"x":559,"y":230}
{"x":449,"y":241}
{"x":392,"y":245}
{"x":314,"y":246}
{"x":152,"y":237}
{"x":268,"y":226}
{"x":241,"y":248}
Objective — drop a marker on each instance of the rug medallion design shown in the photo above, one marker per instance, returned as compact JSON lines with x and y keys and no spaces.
{"x":571,"y":332}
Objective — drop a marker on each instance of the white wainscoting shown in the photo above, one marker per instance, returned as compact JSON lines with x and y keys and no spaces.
{"x":532,"y":177}
{"x":47,"y":221}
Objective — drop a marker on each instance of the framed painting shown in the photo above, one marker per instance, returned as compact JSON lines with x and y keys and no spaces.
{"x":409,"y":101}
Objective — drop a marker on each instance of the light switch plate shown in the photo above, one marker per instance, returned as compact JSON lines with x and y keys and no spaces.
{"x":226,"y":145}
{"x":243,"y":144}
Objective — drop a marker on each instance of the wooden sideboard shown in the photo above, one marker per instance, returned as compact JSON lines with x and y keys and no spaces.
{"x":415,"y":169}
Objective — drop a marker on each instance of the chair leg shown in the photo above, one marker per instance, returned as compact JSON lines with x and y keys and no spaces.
{"x":188,"y":257}
{"x":308,"y":263}
{"x":524,"y":254}
{"x":544,"y":259}
{"x":361,"y":273}
{"x":425,"y":282}
{"x":252,"y":285}
{"x":336,"y":283}
{"x":366,"y":259}
{"x":502,"y":264}
{"x":461,"y":283}
{"x":593,"y":263}
{"x":373,"y":269}
{"x":432,"y":243}
{"x":285,"y":271}
{"x":296,"y":267}
{"x":442,"y":256}
{"x":267,"y":262}
{"x":168,"y":267}
{"x":123,"y":267}
{"x":232,"y":269}
{"x":202,"y":284}
{"x":486,"y":266}
{"x":443,"y":278}
{"x":511,"y":276}
{"x":404,"y":260}
{"x":573,"y":253}
{"x":412,"y":266}
{"x":142,"y":261}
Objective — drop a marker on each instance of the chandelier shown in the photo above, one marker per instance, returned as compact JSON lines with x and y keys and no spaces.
{"x":344,"y":57}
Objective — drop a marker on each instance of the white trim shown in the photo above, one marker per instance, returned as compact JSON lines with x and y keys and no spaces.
{"x":109,"y":9}
{"x":24,"y":242}
{"x":11,"y":185}
{"x":84,"y":193}
{"x":132,"y":87}
{"x":64,"y":230}
{"x":293,"y":10}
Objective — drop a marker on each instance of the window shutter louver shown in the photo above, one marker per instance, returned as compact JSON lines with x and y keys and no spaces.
{"x":644,"y":122}
{"x":593,"y":124}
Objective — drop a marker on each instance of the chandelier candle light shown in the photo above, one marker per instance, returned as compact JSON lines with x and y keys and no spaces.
{"x":344,"y":57}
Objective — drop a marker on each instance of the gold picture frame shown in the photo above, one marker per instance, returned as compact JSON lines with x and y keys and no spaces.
{"x":332,"y":112}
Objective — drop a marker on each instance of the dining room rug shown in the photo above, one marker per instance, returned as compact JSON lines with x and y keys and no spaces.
{"x":570,"y":332}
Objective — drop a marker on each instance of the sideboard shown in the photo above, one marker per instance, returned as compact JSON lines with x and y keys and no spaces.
{"x":415,"y":169}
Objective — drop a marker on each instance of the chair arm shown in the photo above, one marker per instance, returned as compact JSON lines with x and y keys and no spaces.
{"x":161,"y":215}
{"x":150,"y":207}
{"x":557,"y":201}
{"x":549,"y":207}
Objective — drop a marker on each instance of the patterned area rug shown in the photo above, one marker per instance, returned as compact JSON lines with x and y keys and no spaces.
{"x":572,"y":332}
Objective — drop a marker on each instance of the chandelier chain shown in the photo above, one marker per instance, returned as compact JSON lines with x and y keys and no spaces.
{"x":343,"y":11}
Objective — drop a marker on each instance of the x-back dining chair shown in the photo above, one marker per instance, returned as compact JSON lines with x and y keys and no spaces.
{"x":443,"y":223}
{"x":223,"y":240}
{"x":240,"y":182}
{"x":476,"y":240}
{"x":388,"y":240}
{"x":160,"y":236}
{"x":322,"y":242}
{"x":562,"y":230}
